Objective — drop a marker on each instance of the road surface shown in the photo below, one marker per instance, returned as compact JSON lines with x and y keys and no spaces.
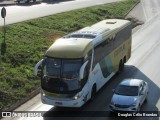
{"x":143,"y":64}
{"x":22,"y":12}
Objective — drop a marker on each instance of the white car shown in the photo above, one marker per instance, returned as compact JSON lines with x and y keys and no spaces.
{"x":129,"y":95}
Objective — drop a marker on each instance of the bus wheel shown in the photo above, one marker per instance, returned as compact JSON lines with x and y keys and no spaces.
{"x":93,"y":92}
{"x":124,"y":59}
{"x":121,"y":66}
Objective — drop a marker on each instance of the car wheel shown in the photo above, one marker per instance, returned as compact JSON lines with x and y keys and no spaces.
{"x":138,"y":109}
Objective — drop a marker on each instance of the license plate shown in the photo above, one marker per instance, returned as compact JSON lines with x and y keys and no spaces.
{"x":58,"y":103}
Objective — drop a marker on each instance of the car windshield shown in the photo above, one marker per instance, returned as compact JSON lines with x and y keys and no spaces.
{"x":126,"y":90}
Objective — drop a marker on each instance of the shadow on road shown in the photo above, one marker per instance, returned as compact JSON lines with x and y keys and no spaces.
{"x":100,"y":104}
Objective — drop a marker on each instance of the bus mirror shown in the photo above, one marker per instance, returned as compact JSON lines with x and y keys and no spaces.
{"x":82,"y":70}
{"x":36,"y":67}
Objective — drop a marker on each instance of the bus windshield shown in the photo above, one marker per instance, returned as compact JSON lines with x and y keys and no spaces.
{"x":61,"y":75}
{"x":70,"y":69}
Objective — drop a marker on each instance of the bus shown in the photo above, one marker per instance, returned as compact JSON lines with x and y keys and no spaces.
{"x":77,"y":65}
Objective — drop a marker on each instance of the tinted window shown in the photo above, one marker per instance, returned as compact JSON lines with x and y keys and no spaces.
{"x":108,"y":45}
{"x":61,"y":75}
{"x":52,"y":67}
{"x":70,"y":69}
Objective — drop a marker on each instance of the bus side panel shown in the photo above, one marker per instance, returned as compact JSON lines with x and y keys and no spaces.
{"x":107,"y":56}
{"x":98,"y":78}
{"x":111,"y":62}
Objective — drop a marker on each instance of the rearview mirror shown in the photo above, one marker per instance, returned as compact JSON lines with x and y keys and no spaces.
{"x":36,"y":67}
{"x":82,"y":70}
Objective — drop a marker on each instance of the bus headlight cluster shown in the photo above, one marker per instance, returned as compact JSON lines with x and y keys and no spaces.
{"x":42,"y":93}
{"x":77,"y":96}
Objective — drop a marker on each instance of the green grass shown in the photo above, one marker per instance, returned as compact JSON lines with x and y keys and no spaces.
{"x":28,"y":41}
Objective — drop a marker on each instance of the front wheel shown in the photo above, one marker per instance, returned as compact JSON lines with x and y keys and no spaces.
{"x":121,"y":66}
{"x":93,"y":94}
{"x":138,"y":109}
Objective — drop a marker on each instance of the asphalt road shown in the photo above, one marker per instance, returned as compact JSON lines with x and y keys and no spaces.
{"x":143,"y":64}
{"x":23,"y":12}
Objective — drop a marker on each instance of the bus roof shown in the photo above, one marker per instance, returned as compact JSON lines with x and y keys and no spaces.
{"x":112,"y":24}
{"x":77,"y":44}
{"x":70,"y":48}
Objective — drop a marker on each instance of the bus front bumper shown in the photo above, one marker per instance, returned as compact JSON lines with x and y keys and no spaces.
{"x":62,"y":103}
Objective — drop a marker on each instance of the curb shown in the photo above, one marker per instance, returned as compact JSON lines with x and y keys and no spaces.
{"x":132,"y":8}
{"x":22,"y":101}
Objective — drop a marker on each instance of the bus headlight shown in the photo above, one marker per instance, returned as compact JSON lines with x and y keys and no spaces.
{"x":77,"y":96}
{"x":42,"y":93}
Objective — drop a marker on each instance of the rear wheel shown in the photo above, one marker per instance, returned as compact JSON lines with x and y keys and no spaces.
{"x":124,"y":59}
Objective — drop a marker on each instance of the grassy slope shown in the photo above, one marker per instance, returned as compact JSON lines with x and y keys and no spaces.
{"x":28,"y":41}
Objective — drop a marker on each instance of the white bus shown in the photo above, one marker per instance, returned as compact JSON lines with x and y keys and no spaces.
{"x":76,"y":66}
